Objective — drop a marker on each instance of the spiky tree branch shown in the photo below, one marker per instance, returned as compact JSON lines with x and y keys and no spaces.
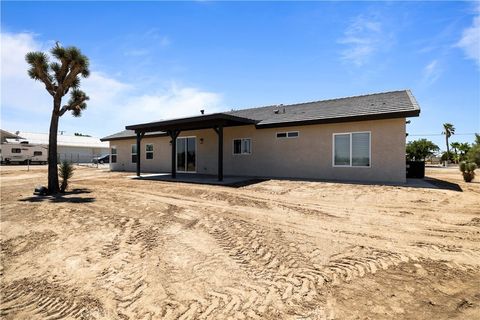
{"x":76,"y":103}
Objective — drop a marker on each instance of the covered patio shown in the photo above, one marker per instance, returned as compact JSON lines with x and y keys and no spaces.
{"x":173,"y":128}
{"x":197,"y":178}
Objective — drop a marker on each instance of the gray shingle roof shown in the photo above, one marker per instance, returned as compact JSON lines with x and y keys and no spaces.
{"x":129,"y":134}
{"x":379,"y":105}
{"x":385,"y":105}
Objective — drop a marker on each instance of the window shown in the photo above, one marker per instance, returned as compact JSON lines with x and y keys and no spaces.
{"x":134,"y":153}
{"x":149,"y":151}
{"x":16,"y":150}
{"x":113,"y":154}
{"x":242,"y":146}
{"x":37,"y":153}
{"x":289,"y":134}
{"x":351,"y":149}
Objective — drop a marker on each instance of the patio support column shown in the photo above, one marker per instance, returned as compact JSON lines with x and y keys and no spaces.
{"x":174,"y":134}
{"x":219,"y":131}
{"x":139,"y":139}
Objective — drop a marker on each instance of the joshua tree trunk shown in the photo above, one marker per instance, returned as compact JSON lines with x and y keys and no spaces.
{"x":52,"y":149}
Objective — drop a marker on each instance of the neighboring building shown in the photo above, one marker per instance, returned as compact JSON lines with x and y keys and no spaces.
{"x":4,"y":135}
{"x":358,"y":138}
{"x":71,"y":148}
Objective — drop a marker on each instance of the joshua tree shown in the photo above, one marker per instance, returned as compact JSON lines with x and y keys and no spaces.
{"x":59,"y":78}
{"x":448,"y":131}
{"x":455,"y":146}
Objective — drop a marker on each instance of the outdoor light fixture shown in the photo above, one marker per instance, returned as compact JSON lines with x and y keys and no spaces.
{"x":201,"y":140}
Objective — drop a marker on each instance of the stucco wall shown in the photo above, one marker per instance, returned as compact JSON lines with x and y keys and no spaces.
{"x":307,"y":156}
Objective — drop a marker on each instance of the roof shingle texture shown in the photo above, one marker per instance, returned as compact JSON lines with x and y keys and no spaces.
{"x":372,"y":104}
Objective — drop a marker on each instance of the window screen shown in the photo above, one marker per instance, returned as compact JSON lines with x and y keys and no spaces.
{"x":361,"y":149}
{"x":134,"y":153}
{"x":292,"y":134}
{"x":37,"y":153}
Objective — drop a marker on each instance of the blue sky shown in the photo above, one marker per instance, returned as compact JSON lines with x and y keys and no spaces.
{"x":154,"y":60}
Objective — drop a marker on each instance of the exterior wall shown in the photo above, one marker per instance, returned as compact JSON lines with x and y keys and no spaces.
{"x":161,"y":155}
{"x":307,"y":156}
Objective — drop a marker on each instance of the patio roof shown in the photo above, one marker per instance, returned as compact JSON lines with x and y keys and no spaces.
{"x":192,"y":123}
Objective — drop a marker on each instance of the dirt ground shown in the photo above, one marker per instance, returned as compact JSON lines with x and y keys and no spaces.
{"x":115,"y":248}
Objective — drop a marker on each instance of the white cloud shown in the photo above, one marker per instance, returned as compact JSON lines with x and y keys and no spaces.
{"x":363,"y":38}
{"x":431,"y":72}
{"x":470,"y":41}
{"x":18,"y":91}
{"x":112,"y":105}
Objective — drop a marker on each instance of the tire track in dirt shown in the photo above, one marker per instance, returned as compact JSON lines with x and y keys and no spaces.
{"x":284,"y":275}
{"x":48,"y":300}
{"x":125,"y":277}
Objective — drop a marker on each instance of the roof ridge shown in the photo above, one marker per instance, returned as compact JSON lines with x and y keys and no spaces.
{"x":324,"y":100}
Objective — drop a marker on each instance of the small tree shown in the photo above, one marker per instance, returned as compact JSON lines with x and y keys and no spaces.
{"x":448,"y":131}
{"x":455,"y":146}
{"x":59,"y":78}
{"x":468,"y":170}
{"x":463,"y":148}
{"x":421,"y":149}
{"x":65,"y":171}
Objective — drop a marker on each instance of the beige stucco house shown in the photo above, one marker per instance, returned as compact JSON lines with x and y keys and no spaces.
{"x":358,"y":138}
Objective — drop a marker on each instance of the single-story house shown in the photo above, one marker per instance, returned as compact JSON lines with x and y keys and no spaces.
{"x":359,"y":138}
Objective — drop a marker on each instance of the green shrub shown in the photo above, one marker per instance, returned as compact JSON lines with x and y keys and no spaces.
{"x":65,"y":171}
{"x":468,"y":170}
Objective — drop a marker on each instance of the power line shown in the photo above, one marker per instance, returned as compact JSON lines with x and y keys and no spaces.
{"x":439,"y":134}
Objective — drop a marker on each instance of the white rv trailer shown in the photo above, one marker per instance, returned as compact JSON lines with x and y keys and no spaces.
{"x":23,"y":152}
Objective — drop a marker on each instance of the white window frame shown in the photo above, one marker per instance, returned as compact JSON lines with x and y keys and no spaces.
{"x":111,"y":154}
{"x":286,"y":134}
{"x":350,"y":165}
{"x":131,"y":153}
{"x":149,"y":144}
{"x":241,"y":144}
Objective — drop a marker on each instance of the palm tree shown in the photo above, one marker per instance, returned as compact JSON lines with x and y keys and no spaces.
{"x":59,"y":78}
{"x":456,"y":147}
{"x":463,"y":148}
{"x":448,"y":131}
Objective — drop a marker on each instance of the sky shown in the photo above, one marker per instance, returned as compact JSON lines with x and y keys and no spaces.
{"x":158,"y":60}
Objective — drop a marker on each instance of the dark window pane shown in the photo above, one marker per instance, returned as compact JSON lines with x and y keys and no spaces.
{"x":281,"y":135}
{"x":16,"y":150}
{"x":237,"y":146}
{"x":181,"y":150}
{"x":134,"y":158}
{"x":114,"y":151}
{"x":149,"y":155}
{"x":191,"y":154}
{"x":342,"y":150}
{"x":37,"y":153}
{"x":114,"y":158}
{"x":149,"y":147}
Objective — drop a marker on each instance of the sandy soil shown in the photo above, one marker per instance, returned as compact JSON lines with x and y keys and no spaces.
{"x":116,"y":248}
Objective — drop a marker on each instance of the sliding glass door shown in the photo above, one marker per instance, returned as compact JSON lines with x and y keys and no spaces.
{"x":186,"y":154}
